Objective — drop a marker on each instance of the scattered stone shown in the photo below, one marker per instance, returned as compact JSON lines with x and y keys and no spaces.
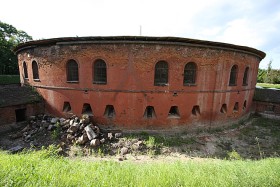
{"x":103,"y":140}
{"x":90,"y":133}
{"x":118,"y":135}
{"x":94,"y":143}
{"x":110,"y":136}
{"x":32,"y":118}
{"x":51,"y":127}
{"x":70,"y":137}
{"x":16,"y":149}
{"x":73,"y":129}
{"x":124,"y":151}
{"x":82,"y":139}
{"x":54,"y":120}
{"x":15,"y":136}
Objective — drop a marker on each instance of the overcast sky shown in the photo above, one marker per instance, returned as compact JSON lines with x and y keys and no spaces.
{"x":252,"y":23}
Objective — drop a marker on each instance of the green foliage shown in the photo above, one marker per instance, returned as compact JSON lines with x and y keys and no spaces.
{"x":9,"y":79}
{"x":234,"y":155}
{"x":266,"y":85}
{"x":31,"y":169}
{"x":9,"y":38}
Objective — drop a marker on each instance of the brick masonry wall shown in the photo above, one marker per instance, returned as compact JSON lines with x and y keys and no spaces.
{"x":8,"y":114}
{"x":130,"y":82}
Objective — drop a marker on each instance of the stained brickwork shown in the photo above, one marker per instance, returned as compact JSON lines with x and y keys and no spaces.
{"x":130,"y":73}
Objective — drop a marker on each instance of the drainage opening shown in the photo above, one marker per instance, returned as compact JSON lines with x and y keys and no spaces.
{"x":66,"y":107}
{"x":236,"y":107}
{"x":87,"y":109}
{"x":149,"y":112}
{"x":20,"y":114}
{"x":196,"y":110}
{"x":224,"y":109}
{"x":244,"y":105}
{"x":110,"y":111}
{"x":174,"y":112}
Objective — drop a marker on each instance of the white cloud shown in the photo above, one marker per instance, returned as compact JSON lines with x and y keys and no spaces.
{"x":242,"y":22}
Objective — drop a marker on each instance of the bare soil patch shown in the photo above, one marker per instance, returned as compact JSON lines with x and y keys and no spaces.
{"x":254,"y":139}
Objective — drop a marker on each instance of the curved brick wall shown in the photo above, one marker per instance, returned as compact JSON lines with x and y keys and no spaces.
{"x":130,"y":64}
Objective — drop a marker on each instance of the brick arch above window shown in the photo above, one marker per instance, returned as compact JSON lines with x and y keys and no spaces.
{"x":35,"y":70}
{"x":190,"y":72}
{"x":233,"y":75}
{"x":72,"y":70}
{"x":99,"y":72}
{"x":161,"y":73}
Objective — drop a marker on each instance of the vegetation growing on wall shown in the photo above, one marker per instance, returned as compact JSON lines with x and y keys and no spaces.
{"x":9,"y":38}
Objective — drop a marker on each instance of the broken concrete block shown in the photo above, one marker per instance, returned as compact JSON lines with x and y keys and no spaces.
{"x":110,"y":136}
{"x":90,"y":133}
{"x":82,"y":139}
{"x":94,"y":143}
{"x":118,"y":135}
{"x":124,"y":151}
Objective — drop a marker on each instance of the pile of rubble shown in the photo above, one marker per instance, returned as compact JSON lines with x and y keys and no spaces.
{"x":75,"y":131}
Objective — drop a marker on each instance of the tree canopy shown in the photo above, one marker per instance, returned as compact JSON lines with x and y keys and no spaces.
{"x":9,"y":38}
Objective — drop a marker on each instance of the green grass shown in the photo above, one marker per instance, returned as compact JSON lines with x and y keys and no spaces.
{"x":266,"y":85}
{"x":44,"y":168}
{"x":9,"y":79}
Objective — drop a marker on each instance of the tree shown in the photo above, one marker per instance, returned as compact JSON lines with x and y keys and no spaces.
{"x":10,"y":37}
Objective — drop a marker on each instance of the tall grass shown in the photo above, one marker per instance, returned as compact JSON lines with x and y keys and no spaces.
{"x":46,"y":169}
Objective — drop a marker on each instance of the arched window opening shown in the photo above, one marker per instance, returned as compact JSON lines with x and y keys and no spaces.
{"x":236,"y":107}
{"x":25,"y":70}
{"x":110,"y":111}
{"x":233,"y":75}
{"x":67,"y":107}
{"x":190,"y":73}
{"x":87,"y":109}
{"x":244,"y":105}
{"x":245,"y":77}
{"x":149,"y":112}
{"x":161,"y":74}
{"x":35,"y":70}
{"x":224,"y":109}
{"x":196,"y":110}
{"x":72,"y":71}
{"x":173,"y":112}
{"x":99,"y":72}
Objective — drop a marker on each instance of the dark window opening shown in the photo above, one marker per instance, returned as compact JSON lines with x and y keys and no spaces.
{"x":236,"y":107}
{"x":223,"y":109}
{"x":233,"y":75}
{"x":161,"y":74}
{"x":244,"y":105}
{"x":20,"y":114}
{"x":245,"y":77}
{"x":196,"y":110}
{"x":100,"y":72}
{"x":110,"y":111}
{"x":72,"y":71}
{"x":149,"y":112}
{"x":174,"y":112}
{"x":190,"y":73}
{"x":35,"y":70}
{"x":67,"y":107}
{"x":87,"y":109}
{"x":25,"y":70}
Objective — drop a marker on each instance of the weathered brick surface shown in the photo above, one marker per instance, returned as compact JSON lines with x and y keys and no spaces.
{"x":130,"y":82}
{"x":8,"y":113}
